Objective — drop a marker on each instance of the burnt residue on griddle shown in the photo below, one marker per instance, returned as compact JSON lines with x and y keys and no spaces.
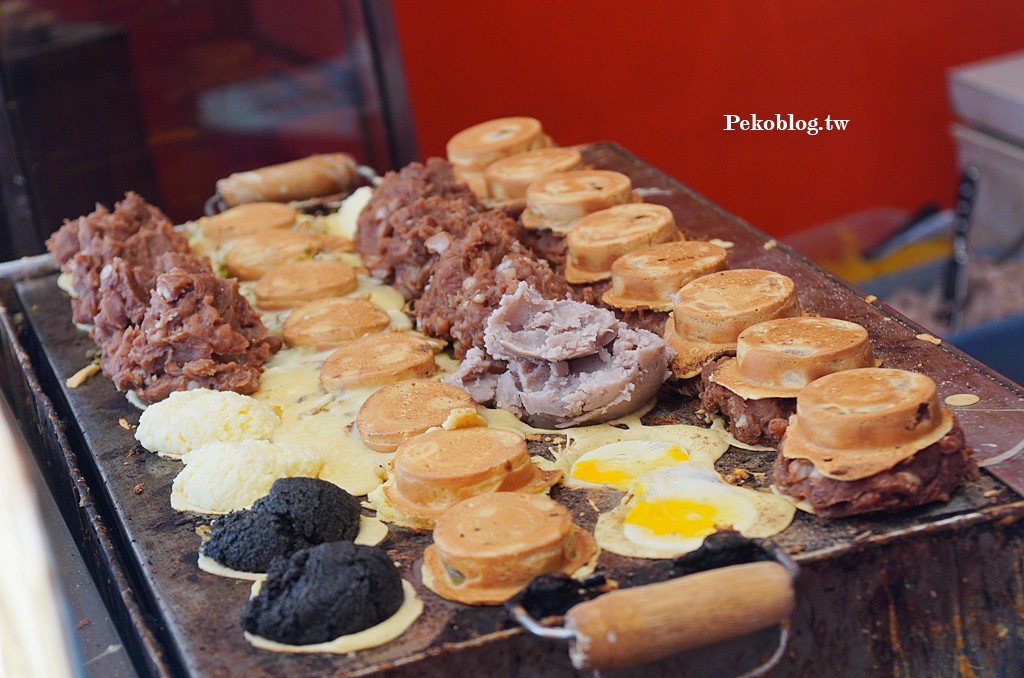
{"x":553,"y":594}
{"x":721,"y":549}
{"x":298,"y":513}
{"x":321,"y":593}
{"x":673,"y":407}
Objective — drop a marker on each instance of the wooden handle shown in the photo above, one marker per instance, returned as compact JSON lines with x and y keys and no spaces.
{"x":633,"y":626}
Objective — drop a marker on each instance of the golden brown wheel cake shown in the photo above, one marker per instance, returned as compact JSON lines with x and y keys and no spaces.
{"x":399,"y":411}
{"x":599,"y":238}
{"x":710,"y":312}
{"x":434,"y":470}
{"x":756,"y":391}
{"x":777,"y":358}
{"x":868,"y":440}
{"x":253,"y":256}
{"x":646,"y":279}
{"x":326,"y":323}
{"x":292,"y":284}
{"x":856,"y":423}
{"x":508,"y":178}
{"x":473,"y":149}
{"x":488,"y":547}
{"x":248,"y":219}
{"x":378,"y":359}
{"x":559,"y":201}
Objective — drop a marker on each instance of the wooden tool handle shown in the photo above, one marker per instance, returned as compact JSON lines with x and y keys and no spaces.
{"x":633,"y":626}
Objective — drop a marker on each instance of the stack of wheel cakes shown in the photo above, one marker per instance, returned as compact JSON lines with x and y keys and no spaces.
{"x":403,"y":348}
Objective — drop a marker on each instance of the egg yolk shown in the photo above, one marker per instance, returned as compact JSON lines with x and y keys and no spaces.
{"x":677,"y":516}
{"x":618,"y":471}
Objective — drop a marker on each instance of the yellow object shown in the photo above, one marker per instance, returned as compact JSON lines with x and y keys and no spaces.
{"x":678,"y":516}
{"x":619,"y":464}
{"x":851,"y":265}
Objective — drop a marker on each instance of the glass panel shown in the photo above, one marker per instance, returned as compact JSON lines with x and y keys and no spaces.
{"x":166,"y":97}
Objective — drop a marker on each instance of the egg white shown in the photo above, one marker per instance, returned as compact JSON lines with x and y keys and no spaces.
{"x":698,"y":443}
{"x":619,"y":464}
{"x":671,"y":510}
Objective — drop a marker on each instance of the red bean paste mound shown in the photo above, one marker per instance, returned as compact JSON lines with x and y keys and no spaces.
{"x":198,"y":332}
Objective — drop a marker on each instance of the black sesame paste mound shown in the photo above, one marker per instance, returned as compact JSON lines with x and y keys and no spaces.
{"x":320,"y":593}
{"x":298,"y":513}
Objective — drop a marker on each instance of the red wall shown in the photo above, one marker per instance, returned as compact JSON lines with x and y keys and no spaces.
{"x":658,"y":76}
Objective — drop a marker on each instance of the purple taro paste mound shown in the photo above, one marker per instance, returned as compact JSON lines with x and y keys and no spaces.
{"x":566,"y":363}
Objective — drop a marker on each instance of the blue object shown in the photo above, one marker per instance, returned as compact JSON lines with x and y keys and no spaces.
{"x":997,"y":344}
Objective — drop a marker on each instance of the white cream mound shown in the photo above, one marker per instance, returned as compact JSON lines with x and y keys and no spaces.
{"x":228,"y":476}
{"x":346,"y":223}
{"x":187,"y":420}
{"x":382,"y":633}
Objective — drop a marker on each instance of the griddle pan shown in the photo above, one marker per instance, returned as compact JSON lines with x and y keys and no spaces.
{"x":925,"y":592}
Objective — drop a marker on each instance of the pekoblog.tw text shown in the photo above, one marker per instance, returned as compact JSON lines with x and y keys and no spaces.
{"x":784,"y":123}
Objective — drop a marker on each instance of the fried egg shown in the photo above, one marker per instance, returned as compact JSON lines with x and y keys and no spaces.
{"x":671,"y":510}
{"x":619,"y":464}
{"x":613,"y":456}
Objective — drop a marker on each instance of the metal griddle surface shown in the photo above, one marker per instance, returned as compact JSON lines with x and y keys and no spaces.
{"x":196,"y":614}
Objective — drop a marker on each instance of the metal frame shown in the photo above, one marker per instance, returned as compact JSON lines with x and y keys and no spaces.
{"x":18,"y":216}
